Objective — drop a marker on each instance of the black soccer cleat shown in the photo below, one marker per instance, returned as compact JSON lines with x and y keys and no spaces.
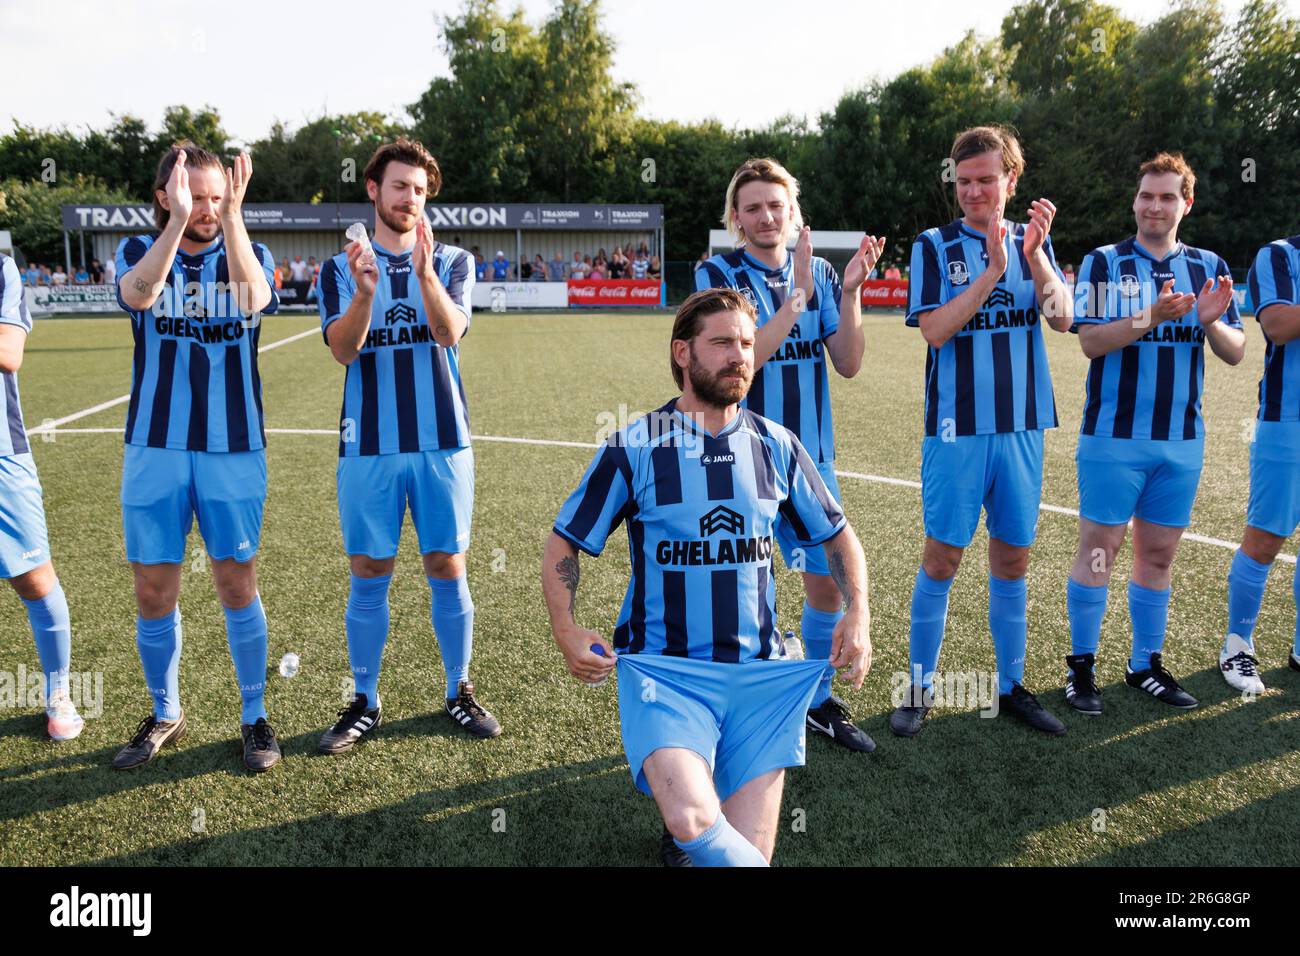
{"x":1160,"y":684}
{"x":832,"y":718}
{"x":261,"y":751}
{"x":355,"y":721}
{"x":1081,"y":690}
{"x":1294,"y":661}
{"x":150,"y":737}
{"x":469,"y":715}
{"x":670,"y":854}
{"x":906,"y":720}
{"x":1025,"y":707}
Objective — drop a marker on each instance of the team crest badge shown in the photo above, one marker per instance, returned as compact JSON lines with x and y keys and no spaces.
{"x":957,"y":273}
{"x":1129,"y":286}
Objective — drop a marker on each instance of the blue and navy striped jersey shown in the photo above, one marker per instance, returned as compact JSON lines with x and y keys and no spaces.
{"x":13,"y":311}
{"x":1150,"y":389}
{"x":194,"y":381}
{"x":403,"y":392}
{"x":1275,"y":280}
{"x":992,"y":376}
{"x":700,"y":512}
{"x":791,"y":388}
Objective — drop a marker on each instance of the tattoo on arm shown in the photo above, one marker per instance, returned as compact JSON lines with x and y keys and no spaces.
{"x":443,"y":330}
{"x":840,"y":577}
{"x":569,"y":574}
{"x":141,"y":285}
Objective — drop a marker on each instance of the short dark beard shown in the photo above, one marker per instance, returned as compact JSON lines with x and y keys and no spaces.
{"x":387,"y":220}
{"x":712,"y":390}
{"x":193,"y":235}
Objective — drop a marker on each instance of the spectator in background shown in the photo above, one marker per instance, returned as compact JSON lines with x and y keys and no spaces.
{"x":282,"y":273}
{"x":577,"y":268}
{"x":539,"y":268}
{"x":500,"y":267}
{"x":110,"y":271}
{"x":629,"y":253}
{"x":641,"y":264}
{"x":555,"y":269}
{"x":81,"y":276}
{"x":58,"y":277}
{"x":313,"y":277}
{"x":1069,"y":276}
{"x":47,"y":277}
{"x":526,"y":271}
{"x":32,"y":274}
{"x":299,"y":279}
{"x":598,"y":269}
{"x":96,"y":272}
{"x":617,"y":264}
{"x":588,"y":264}
{"x":893,"y":273}
{"x":654,"y":272}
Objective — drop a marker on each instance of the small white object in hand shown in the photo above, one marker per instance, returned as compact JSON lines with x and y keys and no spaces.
{"x":357,"y":233}
{"x":289,"y":664}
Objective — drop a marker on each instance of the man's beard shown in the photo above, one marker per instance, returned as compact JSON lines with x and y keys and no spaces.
{"x":388,"y":216}
{"x":772,"y":241}
{"x":208,"y":233}
{"x":713,"y":389}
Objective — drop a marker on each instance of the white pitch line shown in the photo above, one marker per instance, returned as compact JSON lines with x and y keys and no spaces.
{"x":49,"y":427}
{"x":878,"y":479}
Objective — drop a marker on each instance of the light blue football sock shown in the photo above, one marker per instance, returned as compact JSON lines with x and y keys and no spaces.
{"x":817,"y":627}
{"x":1007,"y":623}
{"x":1149,"y":612}
{"x":367,"y":627}
{"x":1246,"y":580}
{"x":452,"y":611}
{"x":52,"y":631}
{"x":1295,"y":592}
{"x":159,"y":642}
{"x":722,"y":845}
{"x":925,"y":631}
{"x":1086,"y":604}
{"x":246,"y":635}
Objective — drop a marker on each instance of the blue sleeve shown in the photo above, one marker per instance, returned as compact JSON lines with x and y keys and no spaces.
{"x":268,"y":269}
{"x":13,"y":307}
{"x":811,"y":510}
{"x":129,"y":251}
{"x":828,"y":300}
{"x":600,"y":502}
{"x":1271,"y":278}
{"x":458,"y":279}
{"x":336,"y":292}
{"x":1051,"y":257}
{"x":925,"y":281}
{"x":1092,"y":292}
{"x":709,"y":276}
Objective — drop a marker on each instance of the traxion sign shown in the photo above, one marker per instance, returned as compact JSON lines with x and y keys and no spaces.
{"x":305,"y":216}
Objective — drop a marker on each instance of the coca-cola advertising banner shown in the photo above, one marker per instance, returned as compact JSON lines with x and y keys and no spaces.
{"x":885,"y":293}
{"x":601,"y":292}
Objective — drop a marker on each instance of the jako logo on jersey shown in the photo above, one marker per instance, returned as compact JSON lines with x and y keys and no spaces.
{"x":718,"y":460}
{"x":957,"y":273}
{"x":722,"y":518}
{"x":74,"y":909}
{"x":999,"y":296}
{"x":399,"y":313}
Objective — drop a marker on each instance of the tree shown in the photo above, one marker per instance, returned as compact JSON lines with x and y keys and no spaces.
{"x":33,"y":211}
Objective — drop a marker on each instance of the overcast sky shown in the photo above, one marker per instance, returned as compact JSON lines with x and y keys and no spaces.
{"x":742,"y":63}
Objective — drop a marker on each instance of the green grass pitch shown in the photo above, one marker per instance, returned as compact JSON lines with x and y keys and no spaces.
{"x":1218,"y":785}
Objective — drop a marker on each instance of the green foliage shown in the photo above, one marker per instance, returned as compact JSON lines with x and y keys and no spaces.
{"x":31,"y":212}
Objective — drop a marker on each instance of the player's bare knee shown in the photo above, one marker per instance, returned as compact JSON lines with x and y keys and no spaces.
{"x":1261,"y":546}
{"x":687,"y":821}
{"x":822,"y":592}
{"x":36,"y":583}
{"x":440,"y":564}
{"x":940,"y":560}
{"x":364,"y":566}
